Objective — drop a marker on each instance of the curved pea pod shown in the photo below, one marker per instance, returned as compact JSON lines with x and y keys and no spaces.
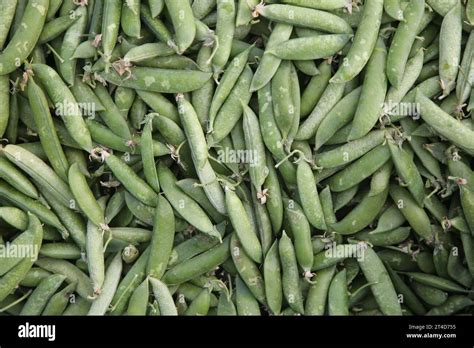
{"x":147,"y":51}
{"x":254,"y":143}
{"x":301,"y":233}
{"x":415,"y":215}
{"x":164,"y":298}
{"x":84,"y":196}
{"x":364,"y":42}
{"x":25,"y":36}
{"x":450,"y":49}
{"x":445,"y":125}
{"x":17,"y":179}
{"x":274,"y":202}
{"x":183,"y":204}
{"x":198,"y":265}
{"x":398,"y":260}
{"x":283,"y":104}
{"x":159,"y":104}
{"x":242,"y":226}
{"x":155,"y":25}
{"x":130,"y":18}
{"x":315,"y":89}
{"x":272,"y":277}
{"x":436,"y":282}
{"x":456,"y":269}
{"x":361,"y":169}
{"x":65,"y":103}
{"x":201,"y":304}
{"x":72,"y":273}
{"x":61,"y":251}
{"x":391,"y":237}
{"x":390,"y":219}
{"x":194,"y":132}
{"x":59,"y":301}
{"x":373,"y":93}
{"x":305,"y":17}
{"x":394,"y":9}
{"x":148,"y":158}
{"x":403,"y":40}
{"x":202,"y":98}
{"x":225,"y":28}
{"x":131,"y":181}
{"x":408,"y":172}
{"x":269,"y":63}
{"x":14,"y":217}
{"x":338,"y":298}
{"x":246,"y":302}
{"x":182,"y":18}
{"x":231,"y":111}
{"x":318,"y":292}
{"x":409,"y":297}
{"x":110,"y":26}
{"x":362,"y":215}
{"x":309,"y":195}
{"x":338,"y":117}
{"x":381,"y":285}
{"x":6,"y":17}
{"x":453,"y":304}
{"x":159,"y":80}
{"x":351,"y":151}
{"x":41,"y":295}
{"x":72,"y":39}
{"x":331,"y":96}
{"x":162,"y":240}
{"x":41,"y":173}
{"x":310,"y":48}
{"x":201,"y":8}
{"x":290,"y":276}
{"x":381,"y":179}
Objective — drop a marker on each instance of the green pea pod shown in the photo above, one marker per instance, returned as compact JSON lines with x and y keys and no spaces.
{"x":272,"y":276}
{"x":311,"y":48}
{"x":25,"y":36}
{"x":362,"y":215}
{"x":59,"y":301}
{"x":182,"y":18}
{"x":162,"y":240}
{"x":381,"y":285}
{"x":315,"y":89}
{"x":408,"y":172}
{"x":450,"y":49}
{"x":331,"y":96}
{"x":159,"y":80}
{"x":342,"y":113}
{"x":65,"y":103}
{"x":199,"y":264}
{"x":452,"y":305}
{"x":290,"y":277}
{"x":17,"y":179}
{"x":269,"y":63}
{"x":139,"y":300}
{"x":39,"y":298}
{"x":129,"y":283}
{"x":318,"y":292}
{"x":304,"y":17}
{"x":338,"y":299}
{"x":254,"y":143}
{"x":403,"y":40}
{"x":245,"y":301}
{"x":84,"y":196}
{"x":364,"y":42}
{"x":445,"y":125}
{"x":111,"y":280}
{"x":242,"y":226}
{"x":309,"y":195}
{"x":41,"y":173}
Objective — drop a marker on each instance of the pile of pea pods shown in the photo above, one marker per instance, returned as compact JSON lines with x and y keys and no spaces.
{"x":221,"y":157}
